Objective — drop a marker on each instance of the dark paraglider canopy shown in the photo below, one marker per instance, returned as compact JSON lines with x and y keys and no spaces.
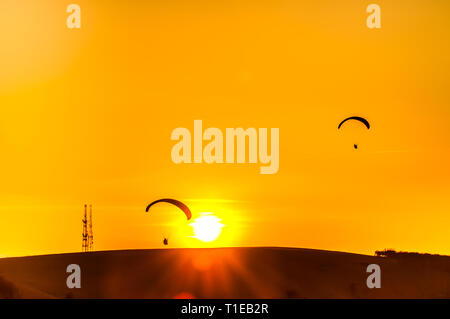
{"x":175,"y":202}
{"x":356,"y":118}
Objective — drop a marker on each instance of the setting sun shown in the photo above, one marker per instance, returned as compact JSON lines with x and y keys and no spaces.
{"x":207,"y":227}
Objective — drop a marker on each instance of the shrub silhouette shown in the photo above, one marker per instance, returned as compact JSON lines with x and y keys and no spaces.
{"x":392,"y":253}
{"x":385,"y":253}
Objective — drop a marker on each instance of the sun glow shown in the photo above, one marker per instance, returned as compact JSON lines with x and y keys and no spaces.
{"x":207,"y":227}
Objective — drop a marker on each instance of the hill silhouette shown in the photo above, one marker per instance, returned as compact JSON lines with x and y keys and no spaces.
{"x":259,"y":272}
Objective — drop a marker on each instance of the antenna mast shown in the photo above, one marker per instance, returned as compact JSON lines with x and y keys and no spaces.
{"x":91,"y":234}
{"x":85,"y":245}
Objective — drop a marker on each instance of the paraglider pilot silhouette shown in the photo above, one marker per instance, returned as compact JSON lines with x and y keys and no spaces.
{"x":356,"y":118}
{"x":175,"y":202}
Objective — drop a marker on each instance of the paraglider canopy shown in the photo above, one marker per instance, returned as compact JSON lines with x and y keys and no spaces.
{"x":356,"y":118}
{"x":175,"y":202}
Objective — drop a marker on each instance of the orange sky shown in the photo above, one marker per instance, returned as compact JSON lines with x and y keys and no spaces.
{"x":86,"y":116}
